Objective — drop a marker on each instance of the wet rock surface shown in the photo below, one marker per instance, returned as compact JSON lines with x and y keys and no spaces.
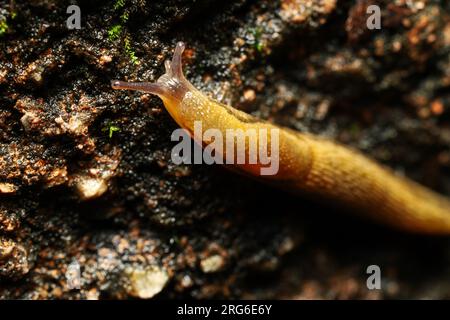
{"x":85,"y":172}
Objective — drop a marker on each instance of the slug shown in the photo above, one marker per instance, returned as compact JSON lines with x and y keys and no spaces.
{"x":308,"y":165}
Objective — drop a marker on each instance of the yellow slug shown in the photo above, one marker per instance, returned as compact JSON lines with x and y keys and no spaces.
{"x":308,"y":164}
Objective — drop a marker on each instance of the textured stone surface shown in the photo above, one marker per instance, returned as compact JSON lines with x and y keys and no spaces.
{"x":85,"y":171}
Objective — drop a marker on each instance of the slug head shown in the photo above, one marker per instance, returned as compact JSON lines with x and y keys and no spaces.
{"x":170,"y":87}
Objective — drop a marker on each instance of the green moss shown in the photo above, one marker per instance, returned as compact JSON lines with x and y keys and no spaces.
{"x":3,"y":27}
{"x":119,"y":4}
{"x":257,"y":43}
{"x":111,"y":129}
{"x":114,"y":32}
{"x":130,"y":51}
{"x":259,"y":47}
{"x":124,"y":17}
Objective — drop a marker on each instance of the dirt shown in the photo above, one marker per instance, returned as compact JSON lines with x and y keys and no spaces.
{"x":86,"y":180}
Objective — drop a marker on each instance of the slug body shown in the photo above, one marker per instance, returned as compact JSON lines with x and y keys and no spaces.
{"x":308,"y":164}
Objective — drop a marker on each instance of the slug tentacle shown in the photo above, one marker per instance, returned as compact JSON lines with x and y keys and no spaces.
{"x":176,"y":66}
{"x":150,"y":87}
{"x":168,"y":67}
{"x":171,"y":86}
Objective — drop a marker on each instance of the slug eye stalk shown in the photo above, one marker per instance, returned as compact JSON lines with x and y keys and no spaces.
{"x":170,"y":87}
